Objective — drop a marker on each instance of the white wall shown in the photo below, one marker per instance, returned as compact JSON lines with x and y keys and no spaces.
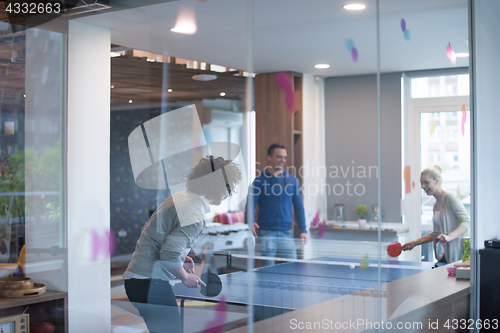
{"x":314,"y":147}
{"x":88,"y":177}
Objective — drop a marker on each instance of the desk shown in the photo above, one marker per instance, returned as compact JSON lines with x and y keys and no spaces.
{"x":51,"y":306}
{"x":297,"y":285}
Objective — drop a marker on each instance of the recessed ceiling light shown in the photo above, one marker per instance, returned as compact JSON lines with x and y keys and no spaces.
{"x":461,"y":55}
{"x":112,"y":87}
{"x":130,"y":101}
{"x":204,"y":77}
{"x":223,"y":94}
{"x":169,"y":90}
{"x":354,"y":6}
{"x":184,"y":29}
{"x":321,"y":66}
{"x":115,"y":54}
{"x":186,"y":22}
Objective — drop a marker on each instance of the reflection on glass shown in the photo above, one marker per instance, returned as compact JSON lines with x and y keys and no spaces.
{"x":450,"y":151}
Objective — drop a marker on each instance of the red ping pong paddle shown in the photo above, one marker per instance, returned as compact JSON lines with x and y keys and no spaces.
{"x":394,"y":249}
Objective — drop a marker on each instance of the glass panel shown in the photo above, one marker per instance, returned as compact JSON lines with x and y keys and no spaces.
{"x":229,"y":78}
{"x":428,"y":46}
{"x":33,"y":242}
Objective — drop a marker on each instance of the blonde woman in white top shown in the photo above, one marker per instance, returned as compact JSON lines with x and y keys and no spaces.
{"x":450,"y":218}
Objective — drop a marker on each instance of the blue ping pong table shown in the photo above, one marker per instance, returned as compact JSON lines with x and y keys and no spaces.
{"x":294,"y":285}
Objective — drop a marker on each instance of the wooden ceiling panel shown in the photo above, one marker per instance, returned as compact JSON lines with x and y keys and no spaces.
{"x":142,"y":81}
{"x":133,"y":79}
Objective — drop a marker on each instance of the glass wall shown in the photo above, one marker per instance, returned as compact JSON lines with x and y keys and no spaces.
{"x":271,"y":151}
{"x":32,"y":223}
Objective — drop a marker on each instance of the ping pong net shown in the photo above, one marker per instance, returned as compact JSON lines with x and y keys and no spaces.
{"x":350,"y":262}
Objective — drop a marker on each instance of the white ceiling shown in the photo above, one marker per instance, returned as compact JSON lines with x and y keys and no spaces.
{"x":293,"y":35}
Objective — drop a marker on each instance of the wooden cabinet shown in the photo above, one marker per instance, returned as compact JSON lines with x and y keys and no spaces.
{"x":274,"y":122}
{"x":51,"y":307}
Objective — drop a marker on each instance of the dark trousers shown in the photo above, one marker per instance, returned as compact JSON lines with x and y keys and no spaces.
{"x":156,"y":303}
{"x":443,"y":260}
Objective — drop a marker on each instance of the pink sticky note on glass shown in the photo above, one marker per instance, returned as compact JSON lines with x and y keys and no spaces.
{"x":285,"y":85}
{"x":354,"y":54}
{"x":322,"y":229}
{"x":315,"y":220}
{"x":105,"y":244}
{"x":96,"y":245}
{"x":407,"y":175}
{"x":364,"y":263}
{"x":464,"y":119}
{"x":448,"y":51}
{"x":217,"y":325}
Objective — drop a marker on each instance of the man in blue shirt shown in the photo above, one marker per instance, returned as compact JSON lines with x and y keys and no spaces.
{"x":276,"y":191}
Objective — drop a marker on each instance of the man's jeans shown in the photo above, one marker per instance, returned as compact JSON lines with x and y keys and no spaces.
{"x":276,"y":243}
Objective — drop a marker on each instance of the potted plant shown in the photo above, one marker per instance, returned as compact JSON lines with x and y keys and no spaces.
{"x":361,"y":211}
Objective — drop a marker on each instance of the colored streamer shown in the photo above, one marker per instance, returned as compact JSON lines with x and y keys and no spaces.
{"x":217,"y":325}
{"x":322,"y":229}
{"x":364,"y":263}
{"x":464,"y":119}
{"x":407,"y":175}
{"x":315,"y":220}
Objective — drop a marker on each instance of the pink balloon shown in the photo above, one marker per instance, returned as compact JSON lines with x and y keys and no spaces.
{"x":111,"y":243}
{"x":106,"y":244}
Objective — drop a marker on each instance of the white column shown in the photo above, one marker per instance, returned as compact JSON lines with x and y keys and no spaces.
{"x":314,"y":150}
{"x":88,"y":177}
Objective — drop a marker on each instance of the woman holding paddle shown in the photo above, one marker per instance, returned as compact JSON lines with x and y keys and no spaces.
{"x":450,"y":219}
{"x":161,"y":252}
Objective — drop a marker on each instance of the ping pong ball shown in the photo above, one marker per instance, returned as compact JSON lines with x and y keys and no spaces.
{"x":351,"y":266}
